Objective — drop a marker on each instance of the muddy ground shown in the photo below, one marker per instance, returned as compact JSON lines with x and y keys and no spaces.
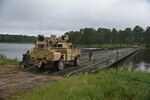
{"x":14,"y":81}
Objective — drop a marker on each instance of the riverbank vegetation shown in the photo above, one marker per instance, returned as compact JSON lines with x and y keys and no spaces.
{"x":17,"y":38}
{"x":8,"y":66}
{"x":104,"y":36}
{"x":104,"y":85}
{"x":109,"y":46}
{"x":5,"y":61}
{"x":101,"y":37}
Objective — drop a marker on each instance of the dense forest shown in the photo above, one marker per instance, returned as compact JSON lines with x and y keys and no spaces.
{"x":90,"y":36}
{"x":17,"y":38}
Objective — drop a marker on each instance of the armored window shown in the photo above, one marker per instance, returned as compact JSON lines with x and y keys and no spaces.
{"x":40,"y":45}
{"x":59,"y":45}
{"x":54,"y":45}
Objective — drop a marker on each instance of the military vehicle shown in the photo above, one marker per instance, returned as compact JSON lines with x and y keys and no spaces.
{"x":56,"y":51}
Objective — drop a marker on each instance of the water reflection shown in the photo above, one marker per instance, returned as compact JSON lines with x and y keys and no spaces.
{"x":139,"y":61}
{"x":14,"y":50}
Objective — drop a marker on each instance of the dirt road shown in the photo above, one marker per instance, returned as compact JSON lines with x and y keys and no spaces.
{"x":12,"y":84}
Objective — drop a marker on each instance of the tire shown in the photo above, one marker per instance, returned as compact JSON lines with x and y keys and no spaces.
{"x":60,"y":65}
{"x":77,"y":61}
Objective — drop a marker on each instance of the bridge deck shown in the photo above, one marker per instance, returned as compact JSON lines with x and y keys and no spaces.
{"x":103,"y":60}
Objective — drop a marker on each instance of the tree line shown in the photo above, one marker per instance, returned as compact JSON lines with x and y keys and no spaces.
{"x":91,"y":36}
{"x":17,"y":38}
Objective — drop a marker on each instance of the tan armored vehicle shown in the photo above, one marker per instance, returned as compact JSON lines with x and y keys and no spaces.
{"x":55,"y":51}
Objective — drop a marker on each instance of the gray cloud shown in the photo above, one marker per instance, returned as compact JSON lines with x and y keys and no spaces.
{"x":58,"y":16}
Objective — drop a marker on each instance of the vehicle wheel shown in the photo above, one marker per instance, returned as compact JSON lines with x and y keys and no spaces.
{"x":60,"y":65}
{"x":77,"y":61}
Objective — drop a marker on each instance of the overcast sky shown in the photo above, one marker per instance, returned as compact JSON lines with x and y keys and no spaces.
{"x":59,"y":16}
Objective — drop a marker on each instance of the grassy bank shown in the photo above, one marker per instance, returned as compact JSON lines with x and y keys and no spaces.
{"x":5,"y":61}
{"x":109,"y":46}
{"x":105,"y":85}
{"x":8,"y":66}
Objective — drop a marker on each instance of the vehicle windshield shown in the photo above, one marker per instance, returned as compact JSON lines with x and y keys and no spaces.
{"x":57,"y":45}
{"x":54,"y":45}
{"x":40,"y":46}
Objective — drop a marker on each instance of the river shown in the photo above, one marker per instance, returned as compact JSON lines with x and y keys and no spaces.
{"x":14,"y":50}
{"x":138,"y":61}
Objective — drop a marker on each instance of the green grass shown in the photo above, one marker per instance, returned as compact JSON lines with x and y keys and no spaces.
{"x":97,"y":46}
{"x":8,"y":66}
{"x":105,"y":85}
{"x":5,"y":61}
{"x":109,"y":46}
{"x":145,"y":46}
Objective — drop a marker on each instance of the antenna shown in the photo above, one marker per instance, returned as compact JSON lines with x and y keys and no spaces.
{"x":40,"y":26}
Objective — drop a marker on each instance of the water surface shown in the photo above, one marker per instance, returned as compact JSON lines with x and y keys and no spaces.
{"x":14,"y":50}
{"x":138,"y":61}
